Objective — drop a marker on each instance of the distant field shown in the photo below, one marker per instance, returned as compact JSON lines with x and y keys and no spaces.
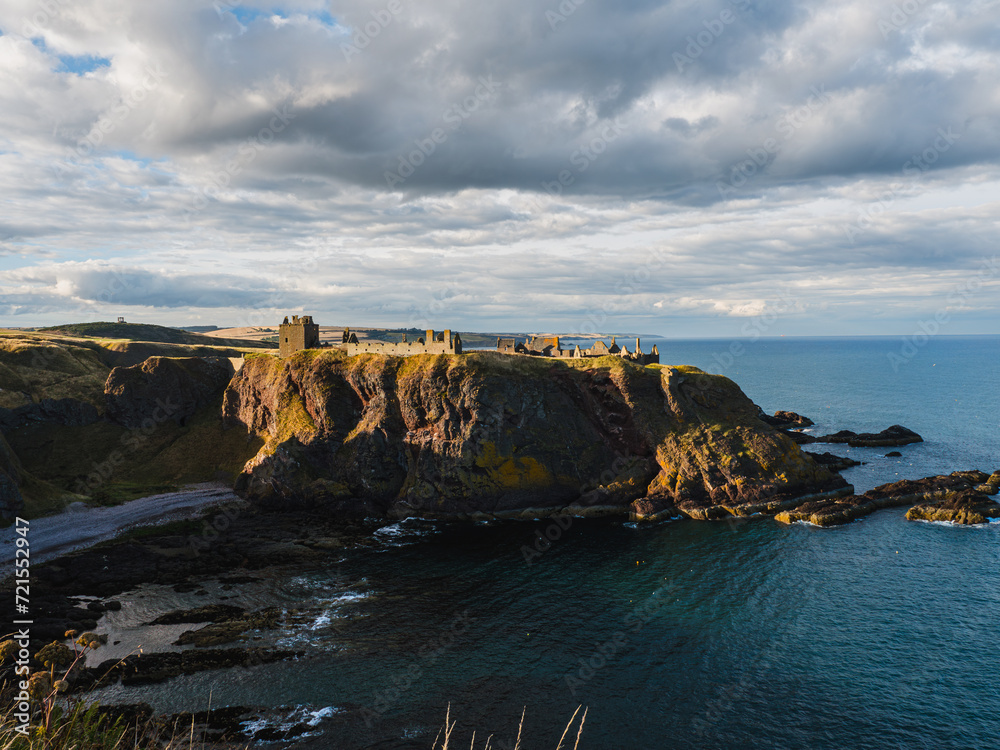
{"x":152,"y":333}
{"x":334,"y":334}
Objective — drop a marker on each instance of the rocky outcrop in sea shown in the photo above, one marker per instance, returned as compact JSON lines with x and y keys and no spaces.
{"x":953,"y":497}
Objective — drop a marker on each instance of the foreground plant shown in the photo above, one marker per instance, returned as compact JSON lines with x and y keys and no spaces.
{"x":38,"y":720}
{"x":449,"y":728}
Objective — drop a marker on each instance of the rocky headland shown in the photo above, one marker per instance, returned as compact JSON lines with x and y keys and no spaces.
{"x":328,"y":448}
{"x":492,"y":435}
{"x":480,"y":435}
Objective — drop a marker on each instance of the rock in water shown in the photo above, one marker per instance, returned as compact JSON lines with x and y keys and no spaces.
{"x":784,"y":419}
{"x":832,"y":462}
{"x":950,"y":497}
{"x":891,"y":436}
{"x":969,"y":507}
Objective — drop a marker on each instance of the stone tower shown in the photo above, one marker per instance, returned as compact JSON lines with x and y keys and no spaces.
{"x":301,"y":333}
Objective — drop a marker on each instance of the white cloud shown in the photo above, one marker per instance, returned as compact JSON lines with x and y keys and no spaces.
{"x":168,"y":161}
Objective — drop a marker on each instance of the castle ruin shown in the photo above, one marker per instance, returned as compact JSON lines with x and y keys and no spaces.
{"x":548,"y":346}
{"x":443,"y":343}
{"x":301,"y":333}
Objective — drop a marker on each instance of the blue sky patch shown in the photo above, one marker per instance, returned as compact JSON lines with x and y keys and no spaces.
{"x":248,"y":15}
{"x":76,"y":64}
{"x":81,"y":64}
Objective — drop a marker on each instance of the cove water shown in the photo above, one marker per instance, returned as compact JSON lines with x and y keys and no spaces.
{"x":741,"y":634}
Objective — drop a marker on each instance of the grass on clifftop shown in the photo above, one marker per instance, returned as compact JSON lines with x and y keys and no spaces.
{"x":32,"y":369}
{"x":35,"y":366}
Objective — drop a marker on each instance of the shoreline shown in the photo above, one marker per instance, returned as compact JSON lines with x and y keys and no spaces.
{"x":78,"y":527}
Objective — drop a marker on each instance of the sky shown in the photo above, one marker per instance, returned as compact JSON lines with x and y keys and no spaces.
{"x":683,"y":169}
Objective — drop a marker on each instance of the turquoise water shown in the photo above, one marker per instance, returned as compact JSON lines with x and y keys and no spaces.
{"x":949,"y":392}
{"x":740,"y":634}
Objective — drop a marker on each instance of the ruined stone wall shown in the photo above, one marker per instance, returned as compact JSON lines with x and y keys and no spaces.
{"x":443,"y":343}
{"x":539,"y":346}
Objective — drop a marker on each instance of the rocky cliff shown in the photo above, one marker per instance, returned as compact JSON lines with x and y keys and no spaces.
{"x":176,"y":388}
{"x":11,"y":500}
{"x":497,"y":435}
{"x":107,"y":421}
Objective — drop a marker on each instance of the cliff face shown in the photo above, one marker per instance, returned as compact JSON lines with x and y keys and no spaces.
{"x":11,"y":500}
{"x":487,"y":433}
{"x":174,"y":388}
{"x":81,"y":421}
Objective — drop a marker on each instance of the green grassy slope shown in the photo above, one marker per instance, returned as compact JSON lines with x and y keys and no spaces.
{"x":35,"y":366}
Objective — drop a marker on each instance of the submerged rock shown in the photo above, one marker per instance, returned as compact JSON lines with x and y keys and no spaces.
{"x":157,"y":667}
{"x":208,"y":613}
{"x":230,"y":629}
{"x":800,"y":438}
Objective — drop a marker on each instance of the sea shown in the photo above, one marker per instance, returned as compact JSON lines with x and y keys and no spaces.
{"x":882,"y":633}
